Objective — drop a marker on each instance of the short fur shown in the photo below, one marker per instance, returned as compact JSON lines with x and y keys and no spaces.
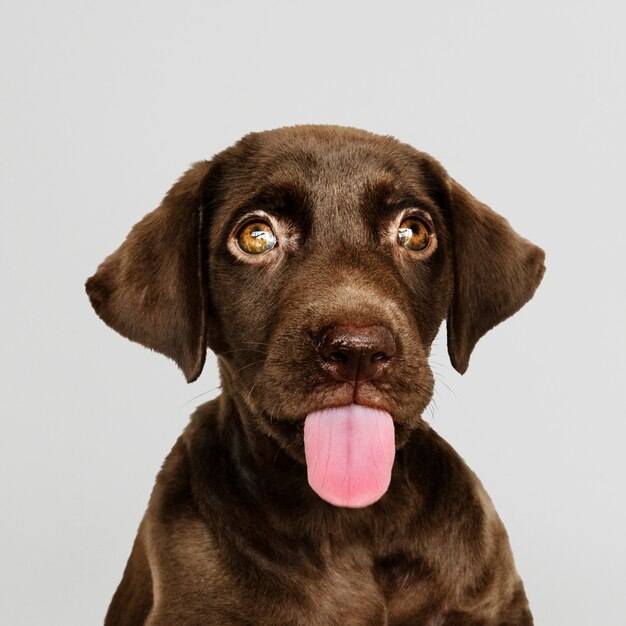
{"x":233,"y":533}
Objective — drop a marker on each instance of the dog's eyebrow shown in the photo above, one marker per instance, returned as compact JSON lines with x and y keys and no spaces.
{"x":285,"y":200}
{"x":386,"y":196}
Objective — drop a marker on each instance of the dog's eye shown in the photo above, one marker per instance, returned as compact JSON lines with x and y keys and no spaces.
{"x":414,"y":234}
{"x":256,"y":238}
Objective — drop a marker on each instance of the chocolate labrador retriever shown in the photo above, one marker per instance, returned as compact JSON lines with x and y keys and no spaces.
{"x":318,"y":263}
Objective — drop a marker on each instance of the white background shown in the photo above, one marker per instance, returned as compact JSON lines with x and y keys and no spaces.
{"x":105,"y":104}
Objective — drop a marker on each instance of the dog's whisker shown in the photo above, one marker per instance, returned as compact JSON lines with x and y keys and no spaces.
{"x":439,"y":379}
{"x":448,"y":387}
{"x":438,"y":363}
{"x":273,"y":410}
{"x":431,"y":409}
{"x":243,"y":350}
{"x":204,"y":393}
{"x":250,"y":392}
{"x":434,"y":402}
{"x":246,"y":366}
{"x":279,"y":363}
{"x":275,"y":457}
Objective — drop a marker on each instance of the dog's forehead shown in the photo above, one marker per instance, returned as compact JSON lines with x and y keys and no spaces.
{"x":328,"y":155}
{"x":331,"y":166}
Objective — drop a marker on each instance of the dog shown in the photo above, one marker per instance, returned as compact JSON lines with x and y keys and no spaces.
{"x":318,"y":263}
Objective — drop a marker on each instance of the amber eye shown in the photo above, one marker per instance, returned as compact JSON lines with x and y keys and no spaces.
{"x":256,"y":238}
{"x":414,"y":234}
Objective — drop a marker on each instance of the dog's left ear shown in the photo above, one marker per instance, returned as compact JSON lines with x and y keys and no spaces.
{"x":496,"y":271}
{"x":152,"y":288}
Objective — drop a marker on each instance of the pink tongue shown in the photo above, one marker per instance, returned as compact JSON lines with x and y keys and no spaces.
{"x":349,"y":454}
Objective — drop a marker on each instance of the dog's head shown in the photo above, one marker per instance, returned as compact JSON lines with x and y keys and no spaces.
{"x":318,"y":263}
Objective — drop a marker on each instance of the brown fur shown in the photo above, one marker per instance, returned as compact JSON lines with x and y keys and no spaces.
{"x":233,"y":533}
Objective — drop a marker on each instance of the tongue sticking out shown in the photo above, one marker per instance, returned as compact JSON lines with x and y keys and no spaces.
{"x":349,"y":454}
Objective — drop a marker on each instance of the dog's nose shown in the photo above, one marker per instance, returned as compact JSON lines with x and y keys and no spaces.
{"x":356,"y":354}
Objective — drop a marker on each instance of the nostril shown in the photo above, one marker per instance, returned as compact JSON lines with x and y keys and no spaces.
{"x":339,"y":357}
{"x":379,"y":356}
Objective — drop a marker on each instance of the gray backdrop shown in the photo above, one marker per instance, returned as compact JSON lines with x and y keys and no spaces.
{"x":105,"y":104}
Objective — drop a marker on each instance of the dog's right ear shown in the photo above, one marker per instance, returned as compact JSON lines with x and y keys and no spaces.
{"x":152,"y":288}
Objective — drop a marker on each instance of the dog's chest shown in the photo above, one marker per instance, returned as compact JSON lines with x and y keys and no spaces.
{"x":409,"y":586}
{"x":347,"y":586}
{"x":346,"y":592}
{"x":355,"y":588}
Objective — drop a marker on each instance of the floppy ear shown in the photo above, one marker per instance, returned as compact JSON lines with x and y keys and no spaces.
{"x":496,"y":271}
{"x":152,"y":288}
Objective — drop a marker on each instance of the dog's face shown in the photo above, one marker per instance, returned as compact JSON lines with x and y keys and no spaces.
{"x":318,"y":263}
{"x":351,"y":247}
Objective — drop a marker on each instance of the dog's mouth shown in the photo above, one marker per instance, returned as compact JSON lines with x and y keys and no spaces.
{"x":349,"y":454}
{"x":345,"y":432}
{"x":346,"y":437}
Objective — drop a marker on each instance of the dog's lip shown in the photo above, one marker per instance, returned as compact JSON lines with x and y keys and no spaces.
{"x":324,"y":407}
{"x":301,"y":417}
{"x":372,"y":398}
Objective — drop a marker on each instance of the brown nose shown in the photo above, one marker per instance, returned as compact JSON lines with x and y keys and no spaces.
{"x":356,"y":354}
